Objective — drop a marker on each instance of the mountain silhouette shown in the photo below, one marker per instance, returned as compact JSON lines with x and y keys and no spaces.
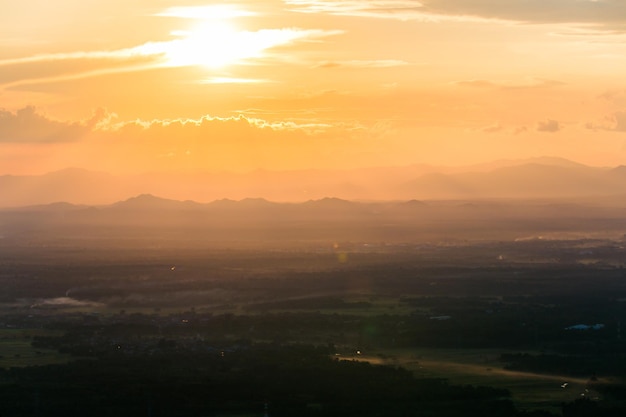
{"x":536,"y":178}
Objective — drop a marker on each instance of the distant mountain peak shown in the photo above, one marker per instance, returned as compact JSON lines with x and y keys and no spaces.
{"x":328,"y":201}
{"x":76,"y":171}
{"x":141,"y":198}
{"x":151,"y":202}
{"x":540,"y":177}
{"x":413,"y":203}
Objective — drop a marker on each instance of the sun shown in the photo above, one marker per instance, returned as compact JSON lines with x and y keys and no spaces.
{"x":213,"y":40}
{"x":216,"y":44}
{"x":211,"y":44}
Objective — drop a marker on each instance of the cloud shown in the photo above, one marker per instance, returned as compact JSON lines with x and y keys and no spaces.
{"x":63,"y":67}
{"x":233,"y":80}
{"x":26,"y":125}
{"x":613,"y":123}
{"x":64,"y":302}
{"x":498,"y":127}
{"x":375,"y":63}
{"x":620,"y":122}
{"x":519,"y":130}
{"x":476,"y":83}
{"x":550,"y":126}
{"x":220,"y":127}
{"x":608,"y":14}
{"x":215,"y":11}
{"x":492,"y":128}
{"x":75,"y":65}
{"x":529,"y":83}
{"x":615,"y":96}
{"x":232,"y":143}
{"x":185,"y":49}
{"x":382,"y":9}
{"x":605,"y":12}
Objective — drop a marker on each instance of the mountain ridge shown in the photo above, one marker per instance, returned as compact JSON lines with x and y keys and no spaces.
{"x":544,"y":177}
{"x":158,"y":221}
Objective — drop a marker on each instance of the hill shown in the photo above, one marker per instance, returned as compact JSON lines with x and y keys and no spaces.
{"x":536,"y":178}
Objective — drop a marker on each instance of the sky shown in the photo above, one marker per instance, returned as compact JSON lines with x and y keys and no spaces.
{"x":199,"y":86}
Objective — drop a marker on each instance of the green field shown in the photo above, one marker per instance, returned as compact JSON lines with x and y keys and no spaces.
{"x":481,"y":367}
{"x":16,"y":349}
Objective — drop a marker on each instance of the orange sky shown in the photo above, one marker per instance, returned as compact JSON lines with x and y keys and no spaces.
{"x":239,"y":85}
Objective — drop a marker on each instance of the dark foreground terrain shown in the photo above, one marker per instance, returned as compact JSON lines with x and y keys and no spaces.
{"x":103,"y":325}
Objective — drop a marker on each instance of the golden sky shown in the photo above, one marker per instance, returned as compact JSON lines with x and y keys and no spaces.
{"x":191,"y":86}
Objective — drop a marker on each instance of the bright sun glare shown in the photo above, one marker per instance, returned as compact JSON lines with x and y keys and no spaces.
{"x":211,"y":43}
{"x":213,"y":40}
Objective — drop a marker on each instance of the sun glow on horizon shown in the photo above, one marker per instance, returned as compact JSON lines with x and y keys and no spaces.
{"x":335,"y":83}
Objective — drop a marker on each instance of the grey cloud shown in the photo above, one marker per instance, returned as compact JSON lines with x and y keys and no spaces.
{"x":614,"y":123}
{"x":28,"y":126}
{"x":605,"y":14}
{"x":549,"y":126}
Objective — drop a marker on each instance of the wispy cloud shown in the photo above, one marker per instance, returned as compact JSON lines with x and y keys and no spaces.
{"x":377,"y":63}
{"x":377,"y":8}
{"x":150,"y":48}
{"x":80,"y":64}
{"x":508,"y":85}
{"x":476,"y":83}
{"x":233,"y":80}
{"x":214,"y":12}
{"x":404,"y":10}
{"x":607,"y":14}
{"x":492,"y":128}
{"x":62,"y":67}
{"x":210,"y":45}
{"x":308,"y":127}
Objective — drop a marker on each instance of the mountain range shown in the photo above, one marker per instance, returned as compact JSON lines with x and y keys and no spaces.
{"x":532,"y":178}
{"x":155,"y":219}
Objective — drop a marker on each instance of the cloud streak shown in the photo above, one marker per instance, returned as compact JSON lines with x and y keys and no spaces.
{"x":214,"y":12}
{"x":208,"y":124}
{"x":28,"y":125}
{"x":377,"y":63}
{"x":608,"y":14}
{"x":188,"y":49}
{"x":531,"y":83}
{"x":403,"y":10}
